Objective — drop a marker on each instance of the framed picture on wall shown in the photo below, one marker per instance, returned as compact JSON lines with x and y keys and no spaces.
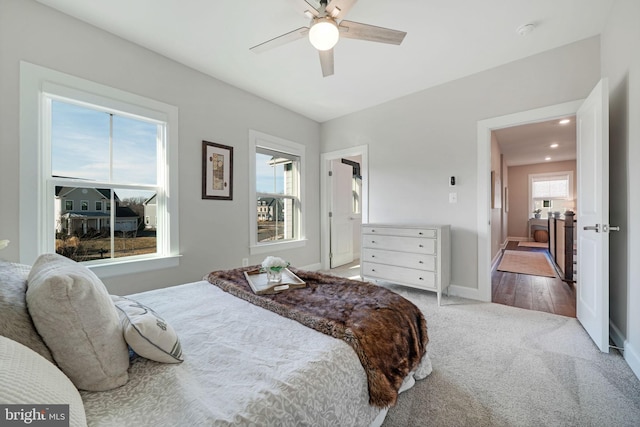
{"x":496,"y":190}
{"x":217,"y":171}
{"x":506,"y":200}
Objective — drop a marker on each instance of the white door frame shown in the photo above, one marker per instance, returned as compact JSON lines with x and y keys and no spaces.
{"x":485,"y":127}
{"x":325,"y":192}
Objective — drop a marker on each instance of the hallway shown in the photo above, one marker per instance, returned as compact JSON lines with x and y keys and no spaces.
{"x":539,"y":293}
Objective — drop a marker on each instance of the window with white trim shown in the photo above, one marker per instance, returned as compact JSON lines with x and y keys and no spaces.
{"x":551,"y":191}
{"x":97,"y":146}
{"x":277,"y":171}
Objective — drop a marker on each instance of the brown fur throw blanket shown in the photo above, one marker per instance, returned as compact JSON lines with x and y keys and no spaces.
{"x":388,"y":332}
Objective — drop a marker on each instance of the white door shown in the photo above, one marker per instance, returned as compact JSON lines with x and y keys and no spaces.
{"x":341,"y":221}
{"x":592,"y":304}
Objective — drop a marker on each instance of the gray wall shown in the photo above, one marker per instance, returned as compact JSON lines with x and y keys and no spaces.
{"x":213,"y":234}
{"x":621,"y":64}
{"x":417,"y":141}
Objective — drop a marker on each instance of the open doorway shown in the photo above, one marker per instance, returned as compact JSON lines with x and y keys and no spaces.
{"x":533,"y":184}
{"x":344,"y":206}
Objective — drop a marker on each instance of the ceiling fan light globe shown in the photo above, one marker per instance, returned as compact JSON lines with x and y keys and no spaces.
{"x":324,"y":34}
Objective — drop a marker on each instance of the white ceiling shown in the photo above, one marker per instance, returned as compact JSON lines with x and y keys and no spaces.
{"x":531,"y":143}
{"x":445,"y":40}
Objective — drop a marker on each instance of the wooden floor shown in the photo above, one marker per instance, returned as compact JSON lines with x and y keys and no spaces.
{"x":532,"y":292}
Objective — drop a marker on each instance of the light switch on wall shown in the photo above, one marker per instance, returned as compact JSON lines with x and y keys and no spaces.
{"x":453,"y":197}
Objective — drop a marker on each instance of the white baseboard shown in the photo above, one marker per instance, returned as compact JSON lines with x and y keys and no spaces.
{"x":631,"y":354}
{"x":616,"y":335}
{"x":518,"y":239}
{"x":464,"y":292}
{"x":495,"y":259}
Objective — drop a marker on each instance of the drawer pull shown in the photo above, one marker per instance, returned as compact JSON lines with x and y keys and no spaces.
{"x":420,"y":246}
{"x":373,"y":256}
{"x":373,"y":269}
{"x":373,"y":230}
{"x":420,"y":233}
{"x":420,"y":262}
{"x":420,"y":278}
{"x":373,"y":241}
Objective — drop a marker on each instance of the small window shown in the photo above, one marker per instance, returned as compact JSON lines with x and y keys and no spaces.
{"x":99,"y":206}
{"x":551,"y":187}
{"x":277,"y":170}
{"x":68,"y":205}
{"x":84,"y":205}
{"x":276,"y":192}
{"x":551,"y":191}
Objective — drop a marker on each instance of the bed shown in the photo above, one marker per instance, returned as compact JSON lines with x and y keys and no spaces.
{"x":243,"y":365}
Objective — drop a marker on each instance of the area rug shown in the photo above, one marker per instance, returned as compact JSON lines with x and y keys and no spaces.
{"x":524,"y":262}
{"x":533,"y":244}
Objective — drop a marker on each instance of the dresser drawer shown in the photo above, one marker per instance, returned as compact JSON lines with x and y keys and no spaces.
{"x":396,"y":243}
{"x":399,"y":231}
{"x":401,"y":259}
{"x":400,"y":275}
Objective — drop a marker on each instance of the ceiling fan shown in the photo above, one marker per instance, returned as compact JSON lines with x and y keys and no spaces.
{"x":327,"y":26}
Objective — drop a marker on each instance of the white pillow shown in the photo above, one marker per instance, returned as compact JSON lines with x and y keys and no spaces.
{"x":28,"y":378}
{"x":148,"y":334}
{"x":73,"y":313}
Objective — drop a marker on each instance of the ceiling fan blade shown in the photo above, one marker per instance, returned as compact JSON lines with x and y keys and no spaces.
{"x":326,"y":62}
{"x":280,"y":40}
{"x":356,"y":30}
{"x":308,"y":7}
{"x":343,"y":7}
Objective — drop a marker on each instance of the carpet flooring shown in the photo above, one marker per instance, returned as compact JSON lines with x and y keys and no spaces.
{"x":533,"y":263}
{"x":495,"y":365}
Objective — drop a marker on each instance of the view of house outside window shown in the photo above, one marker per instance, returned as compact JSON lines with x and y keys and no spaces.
{"x":101,"y":159}
{"x":277,"y":201}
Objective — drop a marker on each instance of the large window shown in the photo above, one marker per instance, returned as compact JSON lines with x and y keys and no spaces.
{"x":97,"y":147}
{"x":276,"y":196}
{"x":101,"y":155}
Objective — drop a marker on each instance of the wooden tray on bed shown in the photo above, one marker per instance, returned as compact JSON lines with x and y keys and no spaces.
{"x":260,"y":286}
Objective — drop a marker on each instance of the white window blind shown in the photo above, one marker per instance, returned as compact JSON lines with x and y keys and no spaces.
{"x":551,"y":187}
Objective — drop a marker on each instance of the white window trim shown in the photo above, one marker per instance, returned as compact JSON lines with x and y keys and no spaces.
{"x":259,"y":139}
{"x":537,"y":176}
{"x":35,"y":237}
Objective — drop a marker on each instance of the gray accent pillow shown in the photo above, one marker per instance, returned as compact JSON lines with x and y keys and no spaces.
{"x":147,"y":333}
{"x":15,"y":321}
{"x":73,"y":313}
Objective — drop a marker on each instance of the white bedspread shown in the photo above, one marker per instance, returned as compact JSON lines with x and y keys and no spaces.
{"x":243,"y":366}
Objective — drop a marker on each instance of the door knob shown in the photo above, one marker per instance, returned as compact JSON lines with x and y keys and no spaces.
{"x":606,"y":228}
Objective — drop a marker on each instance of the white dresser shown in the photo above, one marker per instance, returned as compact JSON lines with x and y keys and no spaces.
{"x":415,"y":255}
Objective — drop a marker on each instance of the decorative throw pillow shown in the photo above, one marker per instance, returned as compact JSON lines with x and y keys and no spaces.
{"x":73,"y":313}
{"x":28,"y":378}
{"x":148,"y":334}
{"x":15,"y":321}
